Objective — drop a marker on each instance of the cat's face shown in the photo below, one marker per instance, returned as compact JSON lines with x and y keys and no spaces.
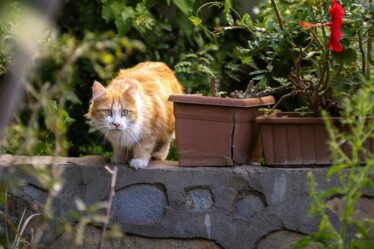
{"x":113,"y":110}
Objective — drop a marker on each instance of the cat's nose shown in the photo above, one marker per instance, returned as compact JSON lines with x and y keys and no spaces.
{"x":117,"y":125}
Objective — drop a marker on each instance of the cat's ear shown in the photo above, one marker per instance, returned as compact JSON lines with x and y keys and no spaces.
{"x":98,"y":90}
{"x":132,"y":89}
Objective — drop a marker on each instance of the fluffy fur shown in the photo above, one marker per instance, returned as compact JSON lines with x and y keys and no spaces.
{"x":134,"y":113}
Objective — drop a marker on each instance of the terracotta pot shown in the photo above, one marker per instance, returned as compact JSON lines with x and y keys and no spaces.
{"x":213,"y":131}
{"x":289,"y":140}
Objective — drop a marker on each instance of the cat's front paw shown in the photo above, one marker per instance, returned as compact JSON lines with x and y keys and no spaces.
{"x":139,"y":163}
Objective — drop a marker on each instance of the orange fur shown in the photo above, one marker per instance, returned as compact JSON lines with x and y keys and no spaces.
{"x":148,"y":125}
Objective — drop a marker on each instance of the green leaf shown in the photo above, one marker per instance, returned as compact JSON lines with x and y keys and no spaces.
{"x":347,"y":56}
{"x":246,"y":60}
{"x":229,"y":19}
{"x":117,"y":7}
{"x":184,"y":5}
{"x":335,"y":168}
{"x":228,"y":6}
{"x":260,"y":77}
{"x":196,"y":21}
{"x":282,"y":81}
{"x":124,"y":23}
{"x":73,"y":214}
{"x":312,"y":53}
{"x":303,"y":243}
{"x":260,"y":71}
{"x":185,"y":24}
{"x":341,"y":85}
{"x":107,"y":12}
{"x":246,"y":20}
{"x":370,"y":185}
{"x":331,"y":192}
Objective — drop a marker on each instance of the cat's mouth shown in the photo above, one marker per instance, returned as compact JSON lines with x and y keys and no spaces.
{"x":116,"y":130}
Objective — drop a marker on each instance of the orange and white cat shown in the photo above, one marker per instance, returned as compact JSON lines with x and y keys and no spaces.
{"x":134,"y":113}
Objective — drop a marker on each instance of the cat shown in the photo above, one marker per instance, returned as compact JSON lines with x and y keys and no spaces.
{"x":134,"y":114}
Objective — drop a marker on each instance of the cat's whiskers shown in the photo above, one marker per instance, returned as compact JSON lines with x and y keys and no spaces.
{"x":100,"y":137}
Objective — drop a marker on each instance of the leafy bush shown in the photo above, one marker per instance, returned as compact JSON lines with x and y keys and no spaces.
{"x":280,"y":52}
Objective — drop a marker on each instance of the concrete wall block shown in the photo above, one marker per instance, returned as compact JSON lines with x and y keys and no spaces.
{"x":226,"y":207}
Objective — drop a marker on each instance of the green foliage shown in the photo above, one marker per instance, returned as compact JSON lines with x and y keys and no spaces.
{"x":85,"y":216}
{"x":281,"y":48}
{"x":127,"y":17}
{"x":93,"y":44}
{"x":50,"y":90}
{"x":97,"y":38}
{"x":352,"y":165}
{"x":7,"y":34}
{"x":198,"y":66}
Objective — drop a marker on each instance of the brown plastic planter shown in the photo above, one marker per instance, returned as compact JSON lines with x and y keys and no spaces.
{"x":291,"y":140}
{"x":213,"y":131}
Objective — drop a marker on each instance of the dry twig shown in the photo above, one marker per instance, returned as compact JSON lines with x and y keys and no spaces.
{"x":113,"y":173}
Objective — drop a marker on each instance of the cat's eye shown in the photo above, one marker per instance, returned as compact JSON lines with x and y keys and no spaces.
{"x":108,"y":112}
{"x":124,"y":112}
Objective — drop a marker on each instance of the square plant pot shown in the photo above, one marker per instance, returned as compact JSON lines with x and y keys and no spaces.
{"x":213,"y":131}
{"x":290,"y":140}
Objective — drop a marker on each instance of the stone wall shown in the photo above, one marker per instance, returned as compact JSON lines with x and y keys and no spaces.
{"x":166,"y":206}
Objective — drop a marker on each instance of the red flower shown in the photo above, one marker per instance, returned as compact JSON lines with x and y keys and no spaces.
{"x":336,"y":19}
{"x":336,"y":15}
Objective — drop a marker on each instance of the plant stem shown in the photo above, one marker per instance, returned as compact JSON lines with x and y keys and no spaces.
{"x":326,"y":75}
{"x":271,"y":91}
{"x":282,"y":99}
{"x":362,"y":52}
{"x":315,"y":35}
{"x":369,"y":49}
{"x":276,"y":10}
{"x":113,"y":173}
{"x":340,"y":69}
{"x":213,"y":86}
{"x":323,"y":26}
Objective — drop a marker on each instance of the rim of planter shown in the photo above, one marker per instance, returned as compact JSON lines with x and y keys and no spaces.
{"x":295,"y":118}
{"x":219,"y":101}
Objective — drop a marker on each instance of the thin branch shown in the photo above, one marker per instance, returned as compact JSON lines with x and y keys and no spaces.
{"x":16,"y":239}
{"x":315,"y":35}
{"x":22,"y":230}
{"x":340,"y":69}
{"x":213,"y":86}
{"x":276,"y":10}
{"x":325,"y":77}
{"x":362,"y":52}
{"x":271,"y":91}
{"x":369,"y":49}
{"x":113,"y":173}
{"x":283,"y":98}
{"x":296,"y":82}
{"x":321,"y":7}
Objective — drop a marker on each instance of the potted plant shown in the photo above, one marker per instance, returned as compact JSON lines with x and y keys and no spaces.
{"x":323,"y":70}
{"x":298,"y":45}
{"x":217,"y":130}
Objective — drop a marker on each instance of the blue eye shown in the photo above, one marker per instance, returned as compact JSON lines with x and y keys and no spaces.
{"x":108,"y":112}
{"x":124,"y":112}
